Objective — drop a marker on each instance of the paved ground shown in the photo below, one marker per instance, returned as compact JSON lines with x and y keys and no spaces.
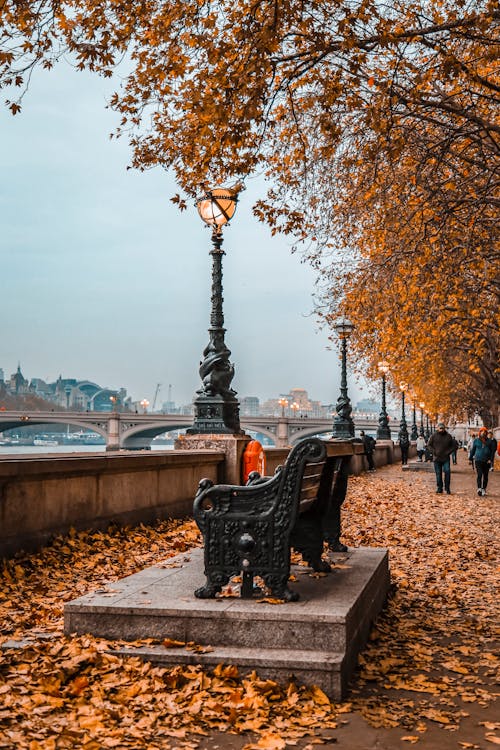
{"x":463,"y":477}
{"x":426,"y":676}
{"x":354,"y":732}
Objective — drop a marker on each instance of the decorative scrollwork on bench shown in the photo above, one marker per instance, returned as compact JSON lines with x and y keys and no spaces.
{"x":250,"y":529}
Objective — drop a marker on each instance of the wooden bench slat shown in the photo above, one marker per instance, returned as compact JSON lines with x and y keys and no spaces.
{"x":311,"y":478}
{"x":309,"y":492}
{"x":312,"y":469}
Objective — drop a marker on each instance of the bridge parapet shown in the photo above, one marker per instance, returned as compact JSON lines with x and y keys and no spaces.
{"x":129,"y":430}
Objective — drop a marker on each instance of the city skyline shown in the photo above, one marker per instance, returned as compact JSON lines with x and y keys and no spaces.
{"x":62,"y":387}
{"x":104,"y":276}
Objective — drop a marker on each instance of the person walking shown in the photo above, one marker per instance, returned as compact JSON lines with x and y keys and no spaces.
{"x":441,"y":444}
{"x":404,"y":445}
{"x":420,"y":447}
{"x":495,"y":446}
{"x":454,"y":451}
{"x":483,"y":455}
{"x":369,"y":446}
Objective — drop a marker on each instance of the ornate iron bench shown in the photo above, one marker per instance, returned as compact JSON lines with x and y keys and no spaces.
{"x":251,"y":529}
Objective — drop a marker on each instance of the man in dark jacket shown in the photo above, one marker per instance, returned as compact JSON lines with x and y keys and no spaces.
{"x":441,"y":443}
{"x":369,"y":446}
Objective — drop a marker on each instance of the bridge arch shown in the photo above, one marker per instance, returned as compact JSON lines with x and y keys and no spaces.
{"x":298,"y":435}
{"x":55,"y":419}
{"x":139,"y":434}
{"x":268,"y":432}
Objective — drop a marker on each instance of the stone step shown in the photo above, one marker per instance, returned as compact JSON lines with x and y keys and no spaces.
{"x":319,"y":668}
{"x":332,"y":617}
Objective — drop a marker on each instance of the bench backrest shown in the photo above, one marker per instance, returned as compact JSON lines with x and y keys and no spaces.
{"x":311,"y":479}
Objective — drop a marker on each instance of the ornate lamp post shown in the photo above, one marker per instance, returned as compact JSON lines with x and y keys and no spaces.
{"x":383,"y":431}
{"x":414,"y":431}
{"x":403,"y":429}
{"x":144,"y":404}
{"x":294,"y":407}
{"x":427,"y":431}
{"x":216,"y":408}
{"x":404,"y":440}
{"x":422,"y":407}
{"x":343,"y":426}
{"x":283,"y":402}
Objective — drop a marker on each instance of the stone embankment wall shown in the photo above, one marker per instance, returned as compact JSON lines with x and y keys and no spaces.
{"x":386,"y":452}
{"x":43,"y":496}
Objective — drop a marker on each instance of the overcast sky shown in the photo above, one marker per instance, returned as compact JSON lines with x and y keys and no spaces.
{"x":103,"y":278}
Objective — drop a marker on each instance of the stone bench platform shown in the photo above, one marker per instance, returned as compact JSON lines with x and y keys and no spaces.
{"x":418,"y":466}
{"x":313,"y":641}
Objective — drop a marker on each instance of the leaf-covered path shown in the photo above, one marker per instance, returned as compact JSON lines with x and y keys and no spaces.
{"x":427,"y":676}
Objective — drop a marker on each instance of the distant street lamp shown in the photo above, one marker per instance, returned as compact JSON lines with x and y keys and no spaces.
{"x":427,"y":431}
{"x":144,"y":404}
{"x":422,"y":407}
{"x":403,"y":387}
{"x":383,"y":431}
{"x":404,"y":440}
{"x":216,"y":408}
{"x":283,"y":402}
{"x":414,"y":431}
{"x":294,"y":407}
{"x":343,"y":425}
{"x":114,"y":402}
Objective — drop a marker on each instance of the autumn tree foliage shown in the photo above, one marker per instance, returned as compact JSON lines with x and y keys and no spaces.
{"x":375,"y":124}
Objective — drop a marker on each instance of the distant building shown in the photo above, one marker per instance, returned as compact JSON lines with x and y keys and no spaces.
{"x":18,"y":383}
{"x":249,"y":406}
{"x":367,"y":405}
{"x":70,"y":393}
{"x":169,"y":407}
{"x":299,"y":396}
{"x":41,"y":389}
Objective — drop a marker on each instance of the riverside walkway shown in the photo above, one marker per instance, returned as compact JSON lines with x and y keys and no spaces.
{"x":426,"y":677}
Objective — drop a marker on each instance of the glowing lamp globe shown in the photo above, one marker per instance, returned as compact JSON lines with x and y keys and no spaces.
{"x":217,"y":206}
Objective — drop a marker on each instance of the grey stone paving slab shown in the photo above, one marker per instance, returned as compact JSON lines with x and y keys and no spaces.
{"x":316,"y":639}
{"x":419,"y":466}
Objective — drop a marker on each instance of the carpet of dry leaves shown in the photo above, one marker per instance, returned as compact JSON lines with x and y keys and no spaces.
{"x":430,"y":654}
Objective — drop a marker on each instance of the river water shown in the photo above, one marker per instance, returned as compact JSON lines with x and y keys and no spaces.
{"x":7,"y":451}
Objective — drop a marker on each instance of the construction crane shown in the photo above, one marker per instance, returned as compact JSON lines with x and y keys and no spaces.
{"x":158,"y":386}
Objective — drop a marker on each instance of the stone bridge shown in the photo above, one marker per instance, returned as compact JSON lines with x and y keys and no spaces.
{"x":135,"y":431}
